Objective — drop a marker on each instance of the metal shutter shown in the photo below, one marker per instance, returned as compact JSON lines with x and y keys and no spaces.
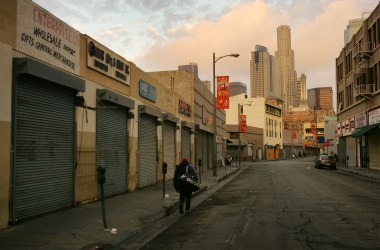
{"x":205,"y":151}
{"x":351,"y":150}
{"x":169,"y":147}
{"x":112,"y":148}
{"x":185,"y":142}
{"x":209,"y":148}
{"x":44,"y":135}
{"x":147,"y":150}
{"x":199,"y":150}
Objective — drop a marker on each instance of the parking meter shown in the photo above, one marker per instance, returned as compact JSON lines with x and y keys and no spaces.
{"x":101,"y":180}
{"x":101,"y":175}
{"x":164,"y":171}
{"x":164,"y":167}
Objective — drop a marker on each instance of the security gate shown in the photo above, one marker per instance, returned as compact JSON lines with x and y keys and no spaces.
{"x":113,"y":147}
{"x":147,"y":150}
{"x":169,"y":147}
{"x":186,"y":142}
{"x":43,"y":137}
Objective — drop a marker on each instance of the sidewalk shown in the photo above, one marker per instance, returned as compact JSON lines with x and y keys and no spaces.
{"x":371,"y":173}
{"x":126,"y":215}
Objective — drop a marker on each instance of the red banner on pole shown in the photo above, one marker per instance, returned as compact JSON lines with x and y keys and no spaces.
{"x":223,"y":92}
{"x":243,"y":123}
{"x":294,"y":134}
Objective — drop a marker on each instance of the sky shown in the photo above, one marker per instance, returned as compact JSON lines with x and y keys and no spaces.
{"x":160,"y":35}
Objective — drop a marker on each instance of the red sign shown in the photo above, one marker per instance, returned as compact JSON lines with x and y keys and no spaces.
{"x":294,"y":134}
{"x":223,"y":92}
{"x":327,"y":144}
{"x":243,"y":123}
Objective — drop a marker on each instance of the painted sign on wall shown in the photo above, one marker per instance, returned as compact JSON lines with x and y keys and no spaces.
{"x":107,"y":62}
{"x":44,"y":36}
{"x":147,"y":91}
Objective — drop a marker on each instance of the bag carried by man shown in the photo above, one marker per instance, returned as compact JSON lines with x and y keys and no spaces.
{"x":189,"y":181}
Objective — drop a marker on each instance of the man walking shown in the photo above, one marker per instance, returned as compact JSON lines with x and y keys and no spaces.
{"x":183,"y":189}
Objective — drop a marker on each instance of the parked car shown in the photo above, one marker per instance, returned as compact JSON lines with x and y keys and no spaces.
{"x":325,"y":161}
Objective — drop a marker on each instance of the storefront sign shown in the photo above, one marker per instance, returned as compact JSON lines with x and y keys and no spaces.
{"x":339,"y":129}
{"x":374,"y":116}
{"x":223,"y":92}
{"x":107,"y":62}
{"x":361,"y":120}
{"x":184,"y":108}
{"x":243,"y":123}
{"x":147,"y":91}
{"x":43,"y":36}
{"x":348,"y":126}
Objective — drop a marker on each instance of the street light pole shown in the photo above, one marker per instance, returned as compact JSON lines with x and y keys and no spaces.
{"x":214,"y":160}
{"x":239,"y":110}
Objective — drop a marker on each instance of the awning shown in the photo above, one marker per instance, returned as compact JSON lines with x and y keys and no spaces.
{"x":235,"y":142}
{"x":359,"y":133}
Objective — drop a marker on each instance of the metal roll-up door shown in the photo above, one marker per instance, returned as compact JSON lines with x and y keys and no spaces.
{"x":169,"y":147}
{"x":147,"y":150}
{"x":113,"y":148}
{"x":44,"y":133}
{"x":209,"y":148}
{"x":205,"y":151}
{"x":199,"y":150}
{"x":185,"y":142}
{"x":351,"y":150}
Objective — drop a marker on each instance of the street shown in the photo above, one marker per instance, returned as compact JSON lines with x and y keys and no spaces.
{"x":282,"y":205}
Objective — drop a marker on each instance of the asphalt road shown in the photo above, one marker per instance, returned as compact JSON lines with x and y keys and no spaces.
{"x":282,"y":205}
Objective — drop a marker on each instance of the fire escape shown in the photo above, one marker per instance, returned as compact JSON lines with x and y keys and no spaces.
{"x":363,"y":83}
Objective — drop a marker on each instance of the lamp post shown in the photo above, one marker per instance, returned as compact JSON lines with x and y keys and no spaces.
{"x":214,"y":160}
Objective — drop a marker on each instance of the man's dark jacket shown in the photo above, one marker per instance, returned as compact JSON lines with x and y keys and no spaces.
{"x":180,"y":170}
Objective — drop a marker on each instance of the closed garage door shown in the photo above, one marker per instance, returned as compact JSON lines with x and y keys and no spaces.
{"x":185,"y":142}
{"x":44,"y":135}
{"x":112,"y":147}
{"x":169,"y":147}
{"x":147,"y":150}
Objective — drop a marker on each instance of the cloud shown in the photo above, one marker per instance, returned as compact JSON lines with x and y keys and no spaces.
{"x":317,"y":29}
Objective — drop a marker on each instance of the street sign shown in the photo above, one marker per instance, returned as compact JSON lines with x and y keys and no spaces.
{"x":327,"y":144}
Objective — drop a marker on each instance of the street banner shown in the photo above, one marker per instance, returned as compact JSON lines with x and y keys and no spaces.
{"x":243,"y":123}
{"x":223,"y":92}
{"x":294,"y":134}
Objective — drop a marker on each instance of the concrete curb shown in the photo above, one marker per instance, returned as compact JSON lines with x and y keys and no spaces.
{"x":364,"y":174}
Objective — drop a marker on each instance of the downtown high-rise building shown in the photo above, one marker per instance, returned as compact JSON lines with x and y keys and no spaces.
{"x":262,"y":72}
{"x":301,"y":91}
{"x":320,"y":98}
{"x":285,"y":74}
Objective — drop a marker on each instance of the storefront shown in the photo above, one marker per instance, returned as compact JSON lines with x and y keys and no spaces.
{"x":186,"y":129}
{"x":169,"y":128}
{"x":147,"y":145}
{"x":113,"y":111}
{"x":43,"y":138}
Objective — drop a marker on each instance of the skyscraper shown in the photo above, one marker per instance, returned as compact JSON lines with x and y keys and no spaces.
{"x":285,"y":74}
{"x":320,"y":98}
{"x":261,"y":72}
